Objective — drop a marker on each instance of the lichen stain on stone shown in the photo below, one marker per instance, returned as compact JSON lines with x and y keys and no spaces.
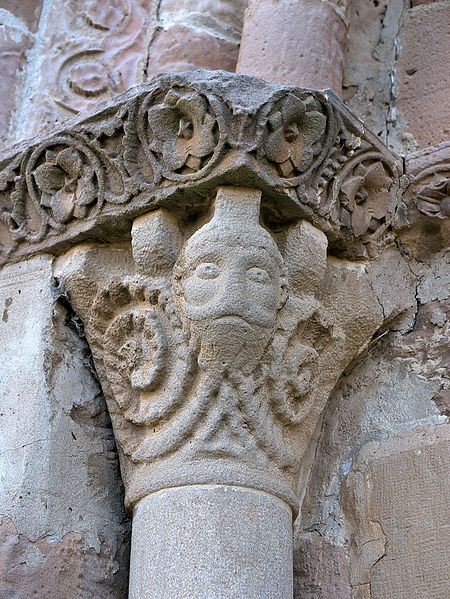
{"x":48,"y":569}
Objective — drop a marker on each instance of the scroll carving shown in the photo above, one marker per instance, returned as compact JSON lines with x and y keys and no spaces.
{"x":95,"y":49}
{"x":174,"y":140}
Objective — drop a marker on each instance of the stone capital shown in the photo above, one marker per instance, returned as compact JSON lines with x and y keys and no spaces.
{"x":221,"y":227}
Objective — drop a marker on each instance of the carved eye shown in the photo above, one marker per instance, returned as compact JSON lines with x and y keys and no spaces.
{"x":258,"y":274}
{"x":207,"y":270}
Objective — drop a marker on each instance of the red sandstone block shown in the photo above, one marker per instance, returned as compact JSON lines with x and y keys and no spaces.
{"x":423,"y":82}
{"x":180,"y":48}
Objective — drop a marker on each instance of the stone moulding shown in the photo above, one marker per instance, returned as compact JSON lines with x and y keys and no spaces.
{"x":172,"y":142}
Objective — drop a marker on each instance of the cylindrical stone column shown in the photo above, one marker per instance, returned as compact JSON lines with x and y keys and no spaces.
{"x":211,"y":542}
{"x":295,"y":42}
{"x":194,"y":34}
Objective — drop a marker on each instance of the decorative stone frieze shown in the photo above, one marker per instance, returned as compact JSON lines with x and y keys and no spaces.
{"x":90,"y":50}
{"x":172,"y":142}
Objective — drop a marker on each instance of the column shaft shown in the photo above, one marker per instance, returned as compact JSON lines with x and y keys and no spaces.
{"x":294,"y":42}
{"x":211,"y":542}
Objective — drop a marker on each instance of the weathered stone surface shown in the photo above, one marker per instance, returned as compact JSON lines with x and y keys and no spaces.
{"x":181,"y":48}
{"x":423,"y":223}
{"x":211,"y":541}
{"x":61,"y":502}
{"x":402,"y":381}
{"x":415,"y":3}
{"x":29,"y":12}
{"x":391,"y":388}
{"x":327,"y":186}
{"x":361,"y":407}
{"x":222,"y":18}
{"x":192,"y":35}
{"x":295,"y":42}
{"x":172,"y":142}
{"x":396,"y":498}
{"x":217,"y":342}
{"x":321,"y":570}
{"x":422,"y":83}
{"x":216,"y":357}
{"x":14,"y":43}
{"x":89,"y":51}
{"x":235,"y":364}
{"x":370,"y":64}
{"x":69,"y":566}
{"x":393,"y":282}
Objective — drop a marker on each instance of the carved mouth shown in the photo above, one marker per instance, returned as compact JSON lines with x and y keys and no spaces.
{"x":233,"y":319}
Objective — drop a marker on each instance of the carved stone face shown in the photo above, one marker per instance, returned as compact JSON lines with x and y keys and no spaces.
{"x":230,"y":288}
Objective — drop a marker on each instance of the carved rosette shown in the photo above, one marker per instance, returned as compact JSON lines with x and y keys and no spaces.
{"x":174,"y":140}
{"x":182,"y":132}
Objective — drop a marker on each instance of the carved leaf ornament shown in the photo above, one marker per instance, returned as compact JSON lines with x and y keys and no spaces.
{"x":182,"y":131}
{"x":175,"y":140}
{"x":67,"y":184}
{"x":295,"y":129}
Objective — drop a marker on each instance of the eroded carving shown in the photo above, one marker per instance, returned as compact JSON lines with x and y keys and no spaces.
{"x":434,"y":200}
{"x":422,"y":222}
{"x":294,"y":134}
{"x":363,"y":202}
{"x":182,"y":131}
{"x":67,"y":184}
{"x":95,"y":48}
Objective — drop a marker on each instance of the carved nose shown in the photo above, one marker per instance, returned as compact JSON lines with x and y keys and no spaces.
{"x":232,"y":300}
